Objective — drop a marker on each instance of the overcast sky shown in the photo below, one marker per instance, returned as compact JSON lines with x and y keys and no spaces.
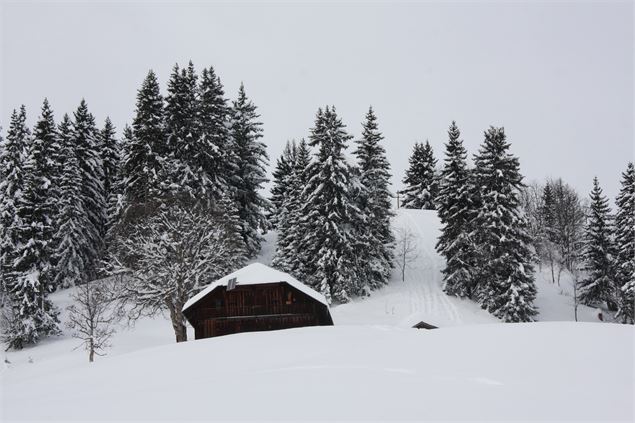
{"x":557,"y":76}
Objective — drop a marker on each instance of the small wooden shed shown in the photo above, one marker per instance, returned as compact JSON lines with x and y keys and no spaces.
{"x":255,"y":298}
{"x":424,"y":325}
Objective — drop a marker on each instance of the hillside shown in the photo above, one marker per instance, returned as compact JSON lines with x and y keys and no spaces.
{"x":543,"y":369}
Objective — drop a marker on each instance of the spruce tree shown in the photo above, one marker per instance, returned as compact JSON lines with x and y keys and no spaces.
{"x":625,"y":246}
{"x":110,"y":157}
{"x":11,"y":192}
{"x":283,"y":170}
{"x":32,"y":314}
{"x":327,"y":245}
{"x":374,"y":203}
{"x":421,"y":183}
{"x":182,"y":170}
{"x":45,"y":148}
{"x":505,"y":281}
{"x":289,"y":255}
{"x":456,"y":211}
{"x":72,"y":245}
{"x":87,"y":149}
{"x":246,"y":133}
{"x":216,"y":156}
{"x":143,"y":149}
{"x":599,"y":252}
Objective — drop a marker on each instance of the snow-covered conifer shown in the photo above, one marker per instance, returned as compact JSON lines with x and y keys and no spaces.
{"x":289,"y":256}
{"x":32,"y":314}
{"x":72,"y":244}
{"x":143,"y":148}
{"x":85,"y":139}
{"x":327,"y":244}
{"x":283,"y":170}
{"x":374,"y":203}
{"x":182,"y":171}
{"x":110,"y":157}
{"x":456,"y":212}
{"x":625,"y":245}
{"x":504,"y":283}
{"x":12,"y":152}
{"x":599,"y":252}
{"x":421,"y":182}
{"x":216,"y":155}
{"x":246,"y":132}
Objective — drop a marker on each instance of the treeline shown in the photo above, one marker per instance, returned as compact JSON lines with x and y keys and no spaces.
{"x":495,"y":229}
{"x":172,"y":205}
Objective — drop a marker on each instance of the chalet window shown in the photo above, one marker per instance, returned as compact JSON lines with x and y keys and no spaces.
{"x":290,"y":299}
{"x":218,"y":302}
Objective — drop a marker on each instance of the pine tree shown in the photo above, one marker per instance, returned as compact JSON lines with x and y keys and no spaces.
{"x":72,"y":245}
{"x":599,"y":252}
{"x":327,"y":245}
{"x":625,"y":245}
{"x":183,"y":172}
{"x":32,"y":315}
{"x":505,"y":283}
{"x":142,"y":153}
{"x":216,"y":156}
{"x":246,"y":132}
{"x":421,"y":181}
{"x":456,"y":211}
{"x":87,"y":150}
{"x":284,"y":168}
{"x":11,"y":191}
{"x":374,"y":203}
{"x":110,"y":157}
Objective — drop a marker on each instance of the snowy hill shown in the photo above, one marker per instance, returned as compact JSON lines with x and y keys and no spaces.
{"x":497,"y":371}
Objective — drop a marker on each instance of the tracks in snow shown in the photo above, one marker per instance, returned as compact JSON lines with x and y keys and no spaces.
{"x":425,"y":281}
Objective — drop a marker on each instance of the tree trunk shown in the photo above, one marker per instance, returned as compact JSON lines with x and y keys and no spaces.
{"x":91,"y":352}
{"x":178,"y":322}
{"x":553,"y":276}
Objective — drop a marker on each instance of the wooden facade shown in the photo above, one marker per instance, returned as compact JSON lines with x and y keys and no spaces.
{"x":255,"y":307}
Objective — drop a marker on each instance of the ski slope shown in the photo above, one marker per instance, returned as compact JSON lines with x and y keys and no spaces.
{"x":421,"y":298}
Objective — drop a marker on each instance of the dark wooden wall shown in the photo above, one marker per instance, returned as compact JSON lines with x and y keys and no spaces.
{"x":251,"y":308}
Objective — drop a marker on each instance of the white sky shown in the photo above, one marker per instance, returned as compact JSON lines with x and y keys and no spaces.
{"x":557,"y":75}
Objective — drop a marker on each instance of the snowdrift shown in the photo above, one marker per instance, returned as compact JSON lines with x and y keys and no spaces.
{"x":558,"y":371}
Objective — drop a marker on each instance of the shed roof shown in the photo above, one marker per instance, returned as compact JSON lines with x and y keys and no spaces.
{"x":255,"y":274}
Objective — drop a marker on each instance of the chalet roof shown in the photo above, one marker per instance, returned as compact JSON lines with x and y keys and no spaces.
{"x":255,"y":274}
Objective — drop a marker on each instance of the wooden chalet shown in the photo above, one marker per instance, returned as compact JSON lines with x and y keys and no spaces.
{"x":255,"y":298}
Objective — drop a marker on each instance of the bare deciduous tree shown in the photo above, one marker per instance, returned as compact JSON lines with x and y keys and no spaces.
{"x":406,"y":250}
{"x":92,"y":317}
{"x":171,"y":254}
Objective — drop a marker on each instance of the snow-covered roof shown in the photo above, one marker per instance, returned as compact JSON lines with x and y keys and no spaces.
{"x":255,"y":274}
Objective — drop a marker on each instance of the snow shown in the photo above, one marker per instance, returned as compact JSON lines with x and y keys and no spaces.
{"x":254,"y":274}
{"x":489,"y":372}
{"x":370,"y":366}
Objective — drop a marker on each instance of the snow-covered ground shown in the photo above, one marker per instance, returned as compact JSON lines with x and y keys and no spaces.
{"x":371,"y":365}
{"x":420,"y":296}
{"x":556,"y":371}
